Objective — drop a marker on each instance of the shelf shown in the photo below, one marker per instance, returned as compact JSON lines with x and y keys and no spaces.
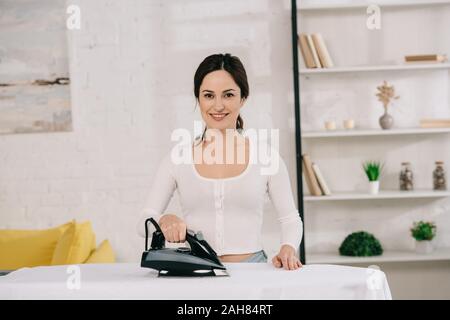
{"x":372,"y":132}
{"x":313,"y":5}
{"x":387,"y":256}
{"x":383,"y":194}
{"x":323,"y":14}
{"x":399,"y":67}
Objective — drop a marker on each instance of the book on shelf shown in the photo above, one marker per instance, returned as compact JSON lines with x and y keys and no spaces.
{"x":306,"y":51}
{"x":426,"y":58}
{"x":435,"y":123}
{"x":322,"y":183}
{"x":314,"y":51}
{"x":310,"y":177}
{"x":307,"y":177}
{"x":322,"y":50}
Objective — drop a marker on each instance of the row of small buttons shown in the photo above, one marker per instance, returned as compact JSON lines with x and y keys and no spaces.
{"x":219,"y":196}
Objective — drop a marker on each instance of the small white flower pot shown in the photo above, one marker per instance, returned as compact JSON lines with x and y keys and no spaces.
{"x":374,"y":187}
{"x":424,"y":246}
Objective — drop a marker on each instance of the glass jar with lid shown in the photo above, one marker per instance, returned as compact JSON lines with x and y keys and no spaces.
{"x":406,"y":177}
{"x":439,"y":179}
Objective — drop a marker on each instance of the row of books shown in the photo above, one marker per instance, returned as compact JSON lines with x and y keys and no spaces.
{"x":314,"y":178}
{"x":435,"y":123}
{"x":314,"y":51}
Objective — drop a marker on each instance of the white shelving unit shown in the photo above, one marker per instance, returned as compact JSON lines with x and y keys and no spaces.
{"x":311,"y":5}
{"x":383,"y":194}
{"x":372,"y":132}
{"x":313,"y":10}
{"x":387,"y":256}
{"x":399,"y":67}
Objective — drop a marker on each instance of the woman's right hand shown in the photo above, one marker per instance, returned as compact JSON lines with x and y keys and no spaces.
{"x":173,"y":228}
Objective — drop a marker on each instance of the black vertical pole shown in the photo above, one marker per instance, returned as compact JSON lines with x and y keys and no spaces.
{"x":298,"y":141}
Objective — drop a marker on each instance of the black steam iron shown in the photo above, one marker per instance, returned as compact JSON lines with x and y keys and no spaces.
{"x":197,"y":260}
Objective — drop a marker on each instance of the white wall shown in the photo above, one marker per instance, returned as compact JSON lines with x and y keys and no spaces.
{"x":132,"y":66}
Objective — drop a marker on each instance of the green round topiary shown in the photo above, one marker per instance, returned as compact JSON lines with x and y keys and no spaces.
{"x":360,"y":244}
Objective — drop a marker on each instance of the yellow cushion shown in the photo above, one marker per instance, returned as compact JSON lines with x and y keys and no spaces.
{"x":28,"y":248}
{"x":75,"y":245}
{"x":103,"y":254}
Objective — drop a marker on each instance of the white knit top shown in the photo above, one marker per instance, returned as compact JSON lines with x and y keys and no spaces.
{"x":228,"y":211}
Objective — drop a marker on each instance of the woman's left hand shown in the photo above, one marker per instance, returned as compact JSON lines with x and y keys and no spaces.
{"x":286,"y":258}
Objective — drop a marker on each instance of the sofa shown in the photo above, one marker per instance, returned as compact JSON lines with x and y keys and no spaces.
{"x":70,"y":243}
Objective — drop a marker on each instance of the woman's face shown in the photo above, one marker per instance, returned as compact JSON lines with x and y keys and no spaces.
{"x":220,"y":100}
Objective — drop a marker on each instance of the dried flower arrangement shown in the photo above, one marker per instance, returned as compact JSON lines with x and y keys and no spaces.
{"x":385,"y":94}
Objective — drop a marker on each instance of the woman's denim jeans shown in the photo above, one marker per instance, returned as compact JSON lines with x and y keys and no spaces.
{"x":259,"y":256}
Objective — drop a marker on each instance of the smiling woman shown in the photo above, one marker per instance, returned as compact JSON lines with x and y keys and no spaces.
{"x":225,"y":201}
{"x":221,"y":88}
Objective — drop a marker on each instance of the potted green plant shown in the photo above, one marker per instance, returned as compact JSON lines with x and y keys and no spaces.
{"x":423,"y":232}
{"x":360,"y":244}
{"x":373,"y":172}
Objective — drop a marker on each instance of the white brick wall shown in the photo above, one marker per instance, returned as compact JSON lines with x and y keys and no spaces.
{"x":131,"y":67}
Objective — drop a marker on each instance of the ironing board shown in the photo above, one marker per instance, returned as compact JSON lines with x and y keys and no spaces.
{"x":246,"y":281}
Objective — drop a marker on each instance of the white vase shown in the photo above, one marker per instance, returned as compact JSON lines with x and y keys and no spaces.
{"x":374,"y":187}
{"x":424,"y":246}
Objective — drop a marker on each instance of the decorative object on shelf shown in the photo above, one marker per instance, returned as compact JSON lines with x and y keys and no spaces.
{"x":373,"y":171}
{"x":427,"y":58}
{"x":423,"y":232}
{"x":330,"y":125}
{"x":385,"y":94}
{"x":406,"y":177}
{"x":348,"y":124}
{"x":439,"y":180}
{"x":360,"y":244}
{"x":435,"y":123}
